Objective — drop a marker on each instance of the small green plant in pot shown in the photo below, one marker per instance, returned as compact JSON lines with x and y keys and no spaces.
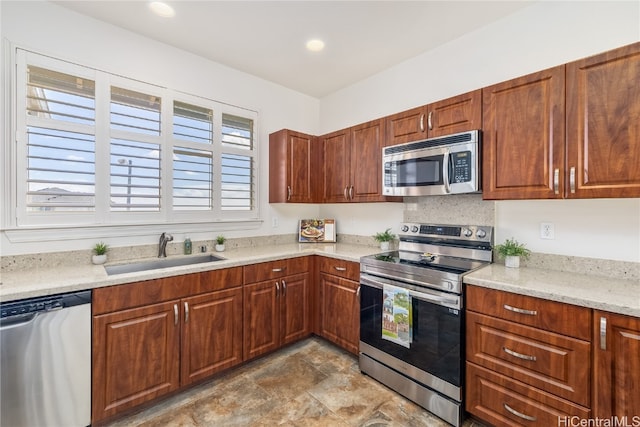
{"x":511,"y":250}
{"x":384,"y":238}
{"x":100,"y":253}
{"x":220,"y":243}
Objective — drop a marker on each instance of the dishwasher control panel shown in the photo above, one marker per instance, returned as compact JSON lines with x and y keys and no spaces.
{"x":44,"y":304}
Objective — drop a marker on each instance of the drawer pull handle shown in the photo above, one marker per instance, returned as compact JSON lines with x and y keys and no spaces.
{"x":519,"y":414}
{"x":519,"y":355}
{"x":603,"y":333}
{"x":278,"y":270}
{"x":340,"y":268}
{"x":520,"y":310}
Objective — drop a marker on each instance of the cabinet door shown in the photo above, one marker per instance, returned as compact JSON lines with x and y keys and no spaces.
{"x":406,"y":126}
{"x":261,"y":318}
{"x":292,"y":160}
{"x":457,"y":114}
{"x":211,"y":334}
{"x":336,"y":151}
{"x":603,"y":124}
{"x":616,"y":365}
{"x":365,"y":183}
{"x":523,"y":137}
{"x":135,"y":357}
{"x":340,"y":317}
{"x":294,"y":308}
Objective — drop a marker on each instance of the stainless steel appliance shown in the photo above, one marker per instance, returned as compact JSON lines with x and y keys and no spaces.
{"x":45,"y":363}
{"x":436,"y":166}
{"x":428,"y":366}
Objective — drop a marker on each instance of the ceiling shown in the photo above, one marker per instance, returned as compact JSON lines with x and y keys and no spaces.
{"x":267,"y":38}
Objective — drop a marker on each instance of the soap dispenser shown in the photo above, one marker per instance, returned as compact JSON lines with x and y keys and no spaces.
{"x":187,"y":246}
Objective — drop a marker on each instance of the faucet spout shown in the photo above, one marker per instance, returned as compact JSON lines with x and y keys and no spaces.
{"x":162,"y":245}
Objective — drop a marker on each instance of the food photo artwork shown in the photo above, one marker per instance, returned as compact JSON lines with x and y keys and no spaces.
{"x":317,"y":230}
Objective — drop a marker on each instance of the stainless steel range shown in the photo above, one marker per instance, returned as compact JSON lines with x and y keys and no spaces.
{"x":411,"y":313}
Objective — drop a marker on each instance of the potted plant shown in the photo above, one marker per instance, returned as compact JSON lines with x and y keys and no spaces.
{"x":220,"y":243}
{"x":100,"y":253}
{"x":512,"y":251}
{"x":385,"y":238}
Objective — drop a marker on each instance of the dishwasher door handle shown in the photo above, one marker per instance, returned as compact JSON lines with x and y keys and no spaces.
{"x":17,"y":321}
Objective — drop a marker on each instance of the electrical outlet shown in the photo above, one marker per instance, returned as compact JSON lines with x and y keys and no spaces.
{"x":547,"y":231}
{"x":274,"y":222}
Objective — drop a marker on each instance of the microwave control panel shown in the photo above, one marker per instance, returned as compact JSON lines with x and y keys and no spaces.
{"x":462,"y":166}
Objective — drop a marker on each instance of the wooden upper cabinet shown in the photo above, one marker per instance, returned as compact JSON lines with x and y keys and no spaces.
{"x":336,"y":160}
{"x":523,"y":137}
{"x":452,"y":115}
{"x":365,"y":182}
{"x":603,"y":124}
{"x":293,"y":167}
{"x":457,"y":114}
{"x":352,"y":161}
{"x":407,"y":126}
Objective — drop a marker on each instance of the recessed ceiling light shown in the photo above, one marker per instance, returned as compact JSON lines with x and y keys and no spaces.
{"x":162,"y":9}
{"x":315,"y":45}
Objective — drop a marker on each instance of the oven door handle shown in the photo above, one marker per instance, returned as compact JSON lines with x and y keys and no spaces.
{"x":440,"y":299}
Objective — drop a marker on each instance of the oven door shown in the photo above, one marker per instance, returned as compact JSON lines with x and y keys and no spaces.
{"x":436,"y":353}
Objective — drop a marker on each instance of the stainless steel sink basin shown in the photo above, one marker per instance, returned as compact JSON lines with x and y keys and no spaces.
{"x":160,"y":263}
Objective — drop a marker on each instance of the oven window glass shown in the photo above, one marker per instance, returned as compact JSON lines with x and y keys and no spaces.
{"x":419,"y":172}
{"x":436,"y":344}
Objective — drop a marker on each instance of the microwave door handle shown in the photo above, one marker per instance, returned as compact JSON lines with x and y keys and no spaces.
{"x":445,"y":172}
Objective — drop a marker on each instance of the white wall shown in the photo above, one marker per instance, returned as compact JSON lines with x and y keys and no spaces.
{"x":543,"y":35}
{"x":50,"y":29}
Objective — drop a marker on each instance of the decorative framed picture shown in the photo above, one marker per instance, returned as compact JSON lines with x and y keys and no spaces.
{"x":317,"y":230}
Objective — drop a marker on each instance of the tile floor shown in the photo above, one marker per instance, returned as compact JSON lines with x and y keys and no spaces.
{"x":311,"y":383}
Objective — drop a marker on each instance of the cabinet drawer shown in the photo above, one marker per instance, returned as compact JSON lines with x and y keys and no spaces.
{"x":341,"y":268}
{"x":548,"y":361}
{"x":552,"y":316}
{"x":502,"y":401}
{"x":275,"y":269}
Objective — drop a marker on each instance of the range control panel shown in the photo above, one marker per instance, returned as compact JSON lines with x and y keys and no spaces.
{"x":478,"y":233}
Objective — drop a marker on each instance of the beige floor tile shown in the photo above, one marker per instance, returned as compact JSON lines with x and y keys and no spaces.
{"x":309,"y":384}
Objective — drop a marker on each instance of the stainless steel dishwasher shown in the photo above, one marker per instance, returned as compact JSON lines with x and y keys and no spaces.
{"x":45,"y":361}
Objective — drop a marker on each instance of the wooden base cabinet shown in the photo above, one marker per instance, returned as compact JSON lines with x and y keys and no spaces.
{"x":340,"y":299}
{"x":276,"y":310}
{"x":528,"y":360}
{"x":136,"y":357}
{"x":616,"y":391}
{"x":154,"y":337}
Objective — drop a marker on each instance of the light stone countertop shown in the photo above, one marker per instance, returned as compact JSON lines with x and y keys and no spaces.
{"x":49,"y":281}
{"x":602,"y":293}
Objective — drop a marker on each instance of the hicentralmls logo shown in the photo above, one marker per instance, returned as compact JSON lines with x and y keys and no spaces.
{"x":615,"y":421}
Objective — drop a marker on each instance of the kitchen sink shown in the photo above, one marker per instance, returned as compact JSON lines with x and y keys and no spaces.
{"x":159,"y":263}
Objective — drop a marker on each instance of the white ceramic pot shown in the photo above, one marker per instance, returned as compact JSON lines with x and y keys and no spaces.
{"x":512,"y":261}
{"x":219,"y":248}
{"x":98,"y":259}
{"x":385,"y":245}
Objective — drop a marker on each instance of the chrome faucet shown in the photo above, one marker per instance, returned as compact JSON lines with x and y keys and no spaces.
{"x":162,"y":245}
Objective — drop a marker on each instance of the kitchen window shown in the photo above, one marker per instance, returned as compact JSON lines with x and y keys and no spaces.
{"x":96,"y":148}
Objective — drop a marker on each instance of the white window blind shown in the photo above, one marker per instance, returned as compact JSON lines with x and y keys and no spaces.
{"x":135,"y":160}
{"x":99,"y":149}
{"x":60,"y":141}
{"x":192,"y":157}
{"x":238,"y":179}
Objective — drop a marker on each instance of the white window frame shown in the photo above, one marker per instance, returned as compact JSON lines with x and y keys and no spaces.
{"x":103,"y":216}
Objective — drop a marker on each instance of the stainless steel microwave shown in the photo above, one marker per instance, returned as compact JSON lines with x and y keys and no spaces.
{"x":435,"y":166}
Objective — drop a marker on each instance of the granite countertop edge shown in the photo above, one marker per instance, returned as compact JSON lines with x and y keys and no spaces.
{"x":602,"y":293}
{"x":36,"y":282}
